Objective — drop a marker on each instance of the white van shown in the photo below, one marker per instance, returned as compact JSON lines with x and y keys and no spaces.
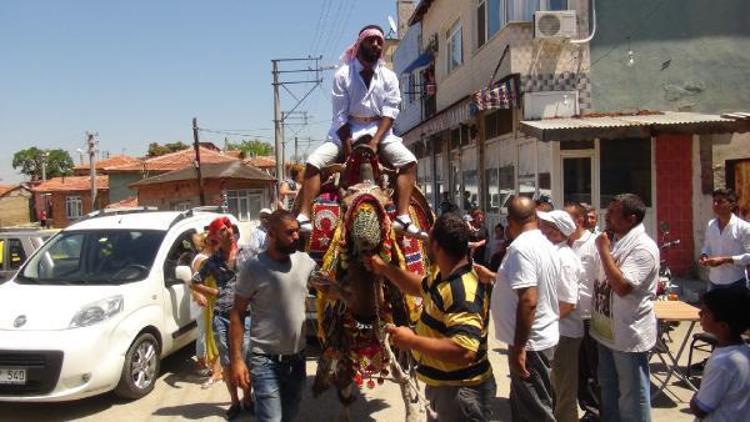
{"x":98,"y":306}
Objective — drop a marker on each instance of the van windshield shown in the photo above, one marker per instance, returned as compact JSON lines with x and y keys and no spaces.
{"x":94,"y":257}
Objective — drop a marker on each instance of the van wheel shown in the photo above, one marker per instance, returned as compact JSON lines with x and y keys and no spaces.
{"x":140,"y":369}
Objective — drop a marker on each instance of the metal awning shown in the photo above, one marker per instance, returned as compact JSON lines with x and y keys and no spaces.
{"x":423,"y":60}
{"x":638,"y":126}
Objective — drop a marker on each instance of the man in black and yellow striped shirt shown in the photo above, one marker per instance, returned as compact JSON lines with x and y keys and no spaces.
{"x":450,"y":342}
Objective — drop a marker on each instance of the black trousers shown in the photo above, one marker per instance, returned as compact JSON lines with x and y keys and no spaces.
{"x":588,"y":385}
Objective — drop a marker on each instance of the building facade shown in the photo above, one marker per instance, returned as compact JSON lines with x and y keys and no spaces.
{"x":556,"y":128}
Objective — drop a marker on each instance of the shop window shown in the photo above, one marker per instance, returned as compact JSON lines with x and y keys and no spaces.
{"x":455,"y":138}
{"x":625,"y":167}
{"x":465,"y":135}
{"x":471,"y":190}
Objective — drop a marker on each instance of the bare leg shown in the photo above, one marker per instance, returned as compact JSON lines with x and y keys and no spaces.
{"x":407,"y":177}
{"x":230,"y":385}
{"x":405,"y":181}
{"x":310,"y":189}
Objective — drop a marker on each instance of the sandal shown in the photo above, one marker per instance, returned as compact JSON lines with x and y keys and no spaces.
{"x":210,"y":382}
{"x":233,"y":411}
{"x":408,"y":229}
{"x":248,"y":405}
{"x":305,"y":225}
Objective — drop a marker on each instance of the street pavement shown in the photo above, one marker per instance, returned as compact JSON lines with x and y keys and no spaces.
{"x":178,"y":396}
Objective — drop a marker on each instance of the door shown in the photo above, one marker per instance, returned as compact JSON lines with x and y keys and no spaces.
{"x":579,"y":177}
{"x":178,"y":321}
{"x":741,"y":184}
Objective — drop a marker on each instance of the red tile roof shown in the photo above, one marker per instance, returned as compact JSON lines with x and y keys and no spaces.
{"x":113,"y":161}
{"x":5,"y":188}
{"x":175,"y":161}
{"x":129,"y":202}
{"x":261,"y":161}
{"x":72,"y":183}
{"x":235,"y":153}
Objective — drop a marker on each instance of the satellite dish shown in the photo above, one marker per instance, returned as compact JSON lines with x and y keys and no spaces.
{"x":392,"y":24}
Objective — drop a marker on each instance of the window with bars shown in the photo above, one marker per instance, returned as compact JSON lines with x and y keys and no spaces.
{"x":73,"y":207}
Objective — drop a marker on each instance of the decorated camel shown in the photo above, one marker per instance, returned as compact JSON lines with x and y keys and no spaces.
{"x":352,"y":219}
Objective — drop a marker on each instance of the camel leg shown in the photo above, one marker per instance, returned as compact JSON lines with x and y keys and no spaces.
{"x":413,"y":412}
{"x":345,"y":396}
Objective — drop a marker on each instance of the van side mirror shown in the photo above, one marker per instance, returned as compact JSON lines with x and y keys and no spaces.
{"x":184,"y":274}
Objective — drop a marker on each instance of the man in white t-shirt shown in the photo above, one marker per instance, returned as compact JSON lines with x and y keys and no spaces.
{"x":623,"y":320}
{"x":557,"y":226}
{"x":582,"y":241}
{"x":525,"y":311}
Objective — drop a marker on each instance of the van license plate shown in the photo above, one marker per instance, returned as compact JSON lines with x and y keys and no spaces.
{"x":12,"y":376}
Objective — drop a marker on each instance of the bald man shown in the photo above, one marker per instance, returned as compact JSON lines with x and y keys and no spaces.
{"x":526,"y":312}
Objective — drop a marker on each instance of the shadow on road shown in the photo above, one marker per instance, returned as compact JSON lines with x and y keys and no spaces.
{"x":42,"y":412}
{"x":180,"y":368}
{"x":194,"y":411}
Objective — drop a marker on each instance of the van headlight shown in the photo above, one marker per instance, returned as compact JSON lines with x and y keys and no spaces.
{"x":97,"y":312}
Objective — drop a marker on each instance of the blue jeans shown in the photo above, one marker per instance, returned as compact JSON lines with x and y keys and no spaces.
{"x":625,"y":386}
{"x":221,"y":336}
{"x":200,"y":342}
{"x":277,"y":387}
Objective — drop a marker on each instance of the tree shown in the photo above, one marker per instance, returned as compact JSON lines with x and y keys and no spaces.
{"x":30,"y":161}
{"x":251,"y":147}
{"x":156,"y":149}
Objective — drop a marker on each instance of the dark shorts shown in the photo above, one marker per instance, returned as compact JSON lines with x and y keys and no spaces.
{"x":462,"y":403}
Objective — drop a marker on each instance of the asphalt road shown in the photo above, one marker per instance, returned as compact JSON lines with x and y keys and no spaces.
{"x":178,"y":396}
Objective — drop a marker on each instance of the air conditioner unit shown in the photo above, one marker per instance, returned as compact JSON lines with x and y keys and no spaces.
{"x":548,"y":104}
{"x":560,"y":24}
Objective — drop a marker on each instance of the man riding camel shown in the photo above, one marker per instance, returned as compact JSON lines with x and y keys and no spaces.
{"x":366,"y":100}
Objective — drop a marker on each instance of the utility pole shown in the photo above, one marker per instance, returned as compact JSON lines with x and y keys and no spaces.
{"x":313,"y":66}
{"x":278,"y":134}
{"x":296,"y":149}
{"x":197,"y":148}
{"x":45,"y":157}
{"x":91,"y":144}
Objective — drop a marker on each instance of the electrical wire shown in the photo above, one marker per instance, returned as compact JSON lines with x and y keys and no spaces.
{"x":324,"y":12}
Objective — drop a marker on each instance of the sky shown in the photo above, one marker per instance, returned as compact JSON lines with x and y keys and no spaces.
{"x":138,"y":71}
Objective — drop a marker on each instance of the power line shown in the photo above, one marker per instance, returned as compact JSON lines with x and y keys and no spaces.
{"x":324,"y":12}
{"x":342,"y":29}
{"x":232,"y":133}
{"x":334,"y":25}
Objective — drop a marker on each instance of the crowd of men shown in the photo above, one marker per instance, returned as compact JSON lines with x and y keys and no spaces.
{"x":574,"y":307}
{"x":573,"y":304}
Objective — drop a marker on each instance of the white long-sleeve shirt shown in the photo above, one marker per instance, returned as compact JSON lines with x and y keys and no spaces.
{"x":733,"y":241}
{"x":352,"y":97}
